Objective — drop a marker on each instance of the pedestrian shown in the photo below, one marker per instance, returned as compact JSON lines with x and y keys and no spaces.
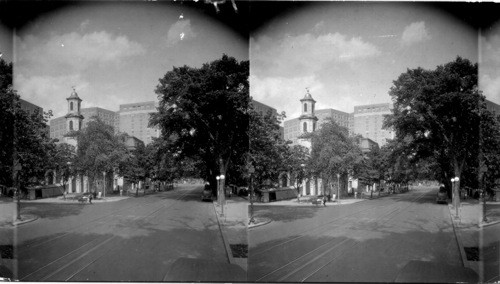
{"x":90,"y":198}
{"x":324,"y":200}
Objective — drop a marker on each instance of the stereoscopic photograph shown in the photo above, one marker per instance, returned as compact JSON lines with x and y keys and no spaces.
{"x":249,"y":141}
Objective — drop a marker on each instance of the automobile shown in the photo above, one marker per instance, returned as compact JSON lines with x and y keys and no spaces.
{"x":206,"y":195}
{"x":442,"y":195}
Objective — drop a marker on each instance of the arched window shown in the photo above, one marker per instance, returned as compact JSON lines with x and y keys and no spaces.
{"x":79,"y":125}
{"x":312,"y":109}
{"x":305,"y":107}
{"x":71,"y":106}
{"x":305,"y":126}
{"x":70,"y":125}
{"x":314,"y":126}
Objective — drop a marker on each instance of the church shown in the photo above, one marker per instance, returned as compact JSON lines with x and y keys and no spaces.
{"x":80,"y":183}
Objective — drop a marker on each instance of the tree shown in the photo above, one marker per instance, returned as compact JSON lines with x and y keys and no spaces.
{"x":99,"y":150}
{"x":489,"y":158}
{"x":267,"y":149}
{"x":204,"y":113}
{"x":295,"y":164}
{"x":437,"y":114}
{"x":24,"y":141}
{"x":371,"y":169}
{"x":62,"y":160}
{"x":334,"y":152}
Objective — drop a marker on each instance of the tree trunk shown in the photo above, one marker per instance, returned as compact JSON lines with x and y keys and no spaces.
{"x":457,"y":167}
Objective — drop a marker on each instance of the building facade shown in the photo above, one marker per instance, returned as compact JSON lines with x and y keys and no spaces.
{"x":368,"y":121}
{"x":293,"y":128}
{"x":58,"y":125}
{"x":134,"y":120}
{"x":493,"y":107}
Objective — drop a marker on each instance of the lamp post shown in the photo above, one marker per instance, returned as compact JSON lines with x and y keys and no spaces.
{"x":338,"y":188}
{"x":302,"y":177}
{"x":66,"y":176}
{"x":104,"y":184}
{"x":455,"y":193}
{"x":218,"y":190}
{"x":251,"y":170}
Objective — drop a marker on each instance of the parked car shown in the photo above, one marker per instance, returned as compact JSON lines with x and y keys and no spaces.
{"x":206,"y":195}
{"x":442,"y":195}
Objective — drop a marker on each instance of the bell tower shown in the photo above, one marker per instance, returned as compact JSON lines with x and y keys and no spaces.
{"x":307,"y":119}
{"x":73,"y":118}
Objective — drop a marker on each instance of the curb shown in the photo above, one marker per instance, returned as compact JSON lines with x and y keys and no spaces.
{"x":458,"y":237}
{"x":264,"y":222}
{"x":226,"y":243}
{"x":482,"y":225}
{"x":29,"y":218}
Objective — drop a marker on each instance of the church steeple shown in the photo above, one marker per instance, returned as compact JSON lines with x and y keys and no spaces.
{"x":74,"y":117}
{"x":307,"y":119}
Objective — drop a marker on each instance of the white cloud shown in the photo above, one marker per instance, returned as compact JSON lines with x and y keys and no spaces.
{"x":415,"y":32}
{"x":181,"y":30}
{"x":491,"y":49}
{"x":282,"y":93}
{"x":77,"y":51}
{"x":490,"y":87}
{"x":303,"y":54}
{"x":84,"y":24}
{"x":50,"y":92}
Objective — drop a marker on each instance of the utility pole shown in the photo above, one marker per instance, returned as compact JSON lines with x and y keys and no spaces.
{"x":16,"y":166}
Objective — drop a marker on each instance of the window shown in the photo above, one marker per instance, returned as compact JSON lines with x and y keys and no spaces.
{"x":71,"y":124}
{"x":305,"y":126}
{"x":71,"y":106}
{"x":305,"y":107}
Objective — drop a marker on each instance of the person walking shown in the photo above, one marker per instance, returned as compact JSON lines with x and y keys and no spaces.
{"x":90,"y":198}
{"x":324,"y":200}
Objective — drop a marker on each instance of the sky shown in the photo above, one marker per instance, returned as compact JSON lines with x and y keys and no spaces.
{"x":349,"y":54}
{"x":114,"y":52}
{"x":345,"y":53}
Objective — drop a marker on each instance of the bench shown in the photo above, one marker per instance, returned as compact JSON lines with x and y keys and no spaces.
{"x":317,"y":201}
{"x":83,"y":199}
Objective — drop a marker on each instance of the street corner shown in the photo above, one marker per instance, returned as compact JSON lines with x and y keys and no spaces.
{"x":259,"y":221}
{"x":26,"y":218}
{"x":488,"y":223}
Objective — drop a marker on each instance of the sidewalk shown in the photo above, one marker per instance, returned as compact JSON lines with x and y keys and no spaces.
{"x":305,"y":201}
{"x":8,"y":207}
{"x":469,"y":228}
{"x":233,"y":225}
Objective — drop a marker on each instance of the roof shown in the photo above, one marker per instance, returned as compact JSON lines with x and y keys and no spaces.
{"x":74,"y":95}
{"x":307,"y":97}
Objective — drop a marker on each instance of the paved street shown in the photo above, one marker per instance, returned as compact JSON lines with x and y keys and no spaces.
{"x":369,"y":241}
{"x":136,"y":239}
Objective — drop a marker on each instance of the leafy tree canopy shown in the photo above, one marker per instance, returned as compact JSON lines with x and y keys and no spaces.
{"x":203,"y":112}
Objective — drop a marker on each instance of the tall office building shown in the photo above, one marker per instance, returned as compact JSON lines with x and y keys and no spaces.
{"x":493,"y":107}
{"x":134,"y":120}
{"x":292,"y":129}
{"x":58,"y":125}
{"x":29,"y":107}
{"x":263,"y":109}
{"x":368,"y":122}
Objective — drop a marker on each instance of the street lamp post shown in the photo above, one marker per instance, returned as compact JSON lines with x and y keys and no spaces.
{"x":218,"y":190}
{"x":338,"y":188}
{"x":455,"y":194}
{"x":104,"y":184}
{"x":251,"y":170}
{"x":302,"y":177}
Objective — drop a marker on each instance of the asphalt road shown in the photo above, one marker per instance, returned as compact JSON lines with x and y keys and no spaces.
{"x":369,"y":241}
{"x":137,"y":239}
